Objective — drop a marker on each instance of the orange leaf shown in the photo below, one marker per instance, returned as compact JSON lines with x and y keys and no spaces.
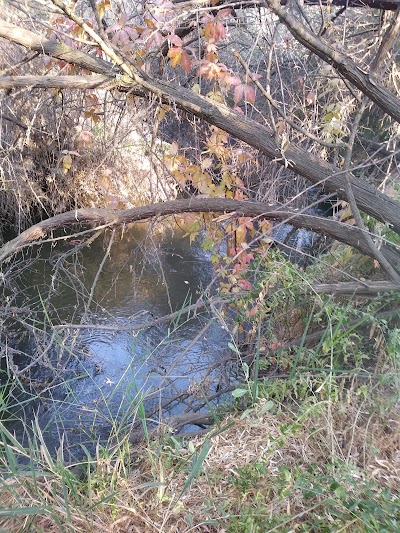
{"x":175,"y":55}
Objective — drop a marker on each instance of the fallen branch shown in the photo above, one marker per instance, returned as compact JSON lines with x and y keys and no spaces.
{"x":339,"y":231}
{"x":364,"y":288}
{"x":174,"y":424}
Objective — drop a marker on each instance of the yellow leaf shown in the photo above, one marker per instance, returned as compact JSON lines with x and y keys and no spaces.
{"x":161,"y":113}
{"x":175,"y":55}
{"x":101,"y":10}
{"x":173,"y":148}
{"x":66,"y":163}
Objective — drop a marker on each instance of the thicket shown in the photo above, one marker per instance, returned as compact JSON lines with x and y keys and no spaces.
{"x":240,"y":129}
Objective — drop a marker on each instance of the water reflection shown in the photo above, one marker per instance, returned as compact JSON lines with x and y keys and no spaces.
{"x":108,"y":374}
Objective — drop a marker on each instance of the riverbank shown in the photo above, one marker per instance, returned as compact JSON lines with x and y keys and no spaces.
{"x":308,"y":439}
{"x":329,"y":462}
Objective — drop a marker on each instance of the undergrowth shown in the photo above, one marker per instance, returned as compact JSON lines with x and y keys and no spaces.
{"x":310,"y":441}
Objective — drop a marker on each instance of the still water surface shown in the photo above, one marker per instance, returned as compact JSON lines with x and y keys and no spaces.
{"x":111,"y":373}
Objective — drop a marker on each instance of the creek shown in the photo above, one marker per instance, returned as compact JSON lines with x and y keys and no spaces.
{"x":91,"y":379}
{"x":107,"y":376}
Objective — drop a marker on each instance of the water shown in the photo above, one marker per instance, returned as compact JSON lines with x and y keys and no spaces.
{"x":97,"y":379}
{"x":93,"y":380}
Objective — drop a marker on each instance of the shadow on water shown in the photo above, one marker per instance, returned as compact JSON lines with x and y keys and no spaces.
{"x":91,"y":381}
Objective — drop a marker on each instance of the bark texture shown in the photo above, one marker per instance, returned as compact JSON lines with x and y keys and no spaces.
{"x":107,"y":217}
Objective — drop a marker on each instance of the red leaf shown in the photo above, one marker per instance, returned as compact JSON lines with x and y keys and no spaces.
{"x":233,"y":80}
{"x":186,"y":62}
{"x":238,"y":93}
{"x":174,"y":39}
{"x":249,"y":94}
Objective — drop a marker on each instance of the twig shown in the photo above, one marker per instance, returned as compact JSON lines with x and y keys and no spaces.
{"x":272,"y":102}
{"x":92,"y":289}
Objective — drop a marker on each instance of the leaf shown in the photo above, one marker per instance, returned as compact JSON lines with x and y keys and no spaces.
{"x":196,"y":466}
{"x":101,"y":10}
{"x":223,"y":13}
{"x":238,"y":93}
{"x":66,"y":163}
{"x":175,"y":55}
{"x":241,"y":233}
{"x":174,"y":39}
{"x":37,"y":510}
{"x":86,"y":136}
{"x":150,"y":24}
{"x":239,"y":393}
{"x":206,"y":163}
{"x":310,"y":98}
{"x":280,"y":127}
{"x":233,"y":348}
{"x":186,"y":62}
{"x":246,"y":370}
{"x":173,"y":148}
{"x":162,"y":110}
{"x":232,"y":80}
{"x":249,"y":94}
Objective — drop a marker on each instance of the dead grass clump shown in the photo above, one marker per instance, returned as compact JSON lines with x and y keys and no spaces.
{"x":245,"y":465}
{"x":259,"y":466}
{"x":40,"y":505}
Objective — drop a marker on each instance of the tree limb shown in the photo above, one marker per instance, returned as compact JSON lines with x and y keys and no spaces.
{"x":55,"y":49}
{"x":341,"y":232}
{"x":319,"y":172}
{"x":56,"y":82}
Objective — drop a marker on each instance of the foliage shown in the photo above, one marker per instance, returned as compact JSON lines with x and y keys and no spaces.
{"x":315,"y":395}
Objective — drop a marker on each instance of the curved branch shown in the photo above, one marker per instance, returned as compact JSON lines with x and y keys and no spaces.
{"x":341,"y":232}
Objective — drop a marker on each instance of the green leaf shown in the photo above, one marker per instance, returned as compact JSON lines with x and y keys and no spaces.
{"x":196,"y":466}
{"x":24,"y":511}
{"x":238,"y":393}
{"x":233,"y":347}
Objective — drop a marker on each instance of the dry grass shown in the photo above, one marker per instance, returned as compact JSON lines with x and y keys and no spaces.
{"x":243,"y":466}
{"x":325,"y":436}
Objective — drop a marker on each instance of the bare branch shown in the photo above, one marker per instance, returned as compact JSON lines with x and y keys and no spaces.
{"x":54,"y":49}
{"x":60,"y":82}
{"x":341,"y":232}
{"x":260,"y":137}
{"x":367,"y":84}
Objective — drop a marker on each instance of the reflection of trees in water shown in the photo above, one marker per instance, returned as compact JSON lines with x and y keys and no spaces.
{"x":127,"y":275}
